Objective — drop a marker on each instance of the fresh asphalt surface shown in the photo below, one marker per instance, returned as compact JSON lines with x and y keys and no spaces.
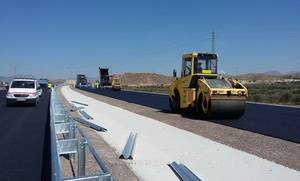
{"x":24,"y":141}
{"x":275,"y":121}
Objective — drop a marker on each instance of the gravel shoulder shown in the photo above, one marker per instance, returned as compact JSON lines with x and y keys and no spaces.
{"x":279,"y":151}
{"x":120,"y":170}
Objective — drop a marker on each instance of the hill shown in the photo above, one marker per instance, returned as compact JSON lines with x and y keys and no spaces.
{"x":154,"y":79}
{"x":6,"y":79}
{"x":267,"y":76}
{"x":145,"y":79}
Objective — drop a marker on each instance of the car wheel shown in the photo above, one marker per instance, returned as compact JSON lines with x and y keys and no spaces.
{"x":36,"y":102}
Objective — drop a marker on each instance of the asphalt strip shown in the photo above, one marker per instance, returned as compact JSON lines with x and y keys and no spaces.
{"x":159,"y":144}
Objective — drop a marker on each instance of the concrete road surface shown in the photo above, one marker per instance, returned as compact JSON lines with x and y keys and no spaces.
{"x":24,"y":141}
{"x":275,"y":121}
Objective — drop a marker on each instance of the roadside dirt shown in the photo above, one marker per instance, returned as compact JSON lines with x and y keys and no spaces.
{"x":119,"y":168}
{"x":280,"y":151}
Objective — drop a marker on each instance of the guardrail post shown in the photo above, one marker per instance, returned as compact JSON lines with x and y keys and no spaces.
{"x":72,"y":135}
{"x":81,"y":157}
{"x":72,"y":131}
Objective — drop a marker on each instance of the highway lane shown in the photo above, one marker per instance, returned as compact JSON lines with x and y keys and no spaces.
{"x":24,"y":141}
{"x":275,"y":121}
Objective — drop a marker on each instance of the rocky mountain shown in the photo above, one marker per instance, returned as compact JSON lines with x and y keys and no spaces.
{"x":272,"y":72}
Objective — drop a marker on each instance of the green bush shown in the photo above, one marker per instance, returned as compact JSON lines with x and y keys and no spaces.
{"x":280,"y":93}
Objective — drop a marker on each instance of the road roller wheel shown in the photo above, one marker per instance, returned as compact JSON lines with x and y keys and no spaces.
{"x":174,"y":103}
{"x":200,"y":108}
{"x":205,"y":105}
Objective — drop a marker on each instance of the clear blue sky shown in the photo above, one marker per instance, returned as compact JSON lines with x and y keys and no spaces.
{"x":58,"y":39}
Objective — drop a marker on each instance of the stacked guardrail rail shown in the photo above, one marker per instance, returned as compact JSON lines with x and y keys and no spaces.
{"x":67,"y":139}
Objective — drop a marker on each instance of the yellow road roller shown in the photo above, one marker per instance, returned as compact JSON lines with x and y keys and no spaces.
{"x":201,"y":88}
{"x":116,"y":83}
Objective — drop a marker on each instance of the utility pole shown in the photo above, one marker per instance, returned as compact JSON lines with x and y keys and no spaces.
{"x":213,"y":38}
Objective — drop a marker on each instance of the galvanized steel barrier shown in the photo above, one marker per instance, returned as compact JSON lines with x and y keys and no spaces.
{"x":183,"y":172}
{"x":72,"y":142}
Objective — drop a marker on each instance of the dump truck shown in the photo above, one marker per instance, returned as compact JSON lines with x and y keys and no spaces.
{"x":116,"y":83}
{"x":105,"y":79}
{"x":202,"y":89}
{"x":81,"y":81}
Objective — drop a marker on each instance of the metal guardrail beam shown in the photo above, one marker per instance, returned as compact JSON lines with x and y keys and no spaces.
{"x":129,"y":147}
{"x":80,"y":103}
{"x":183,"y":173}
{"x":67,"y":146}
{"x":63,"y":128}
{"x":74,"y":108}
{"x":89,"y":124}
{"x":84,"y":114}
{"x":101,"y":177}
{"x":55,"y":161}
{"x":60,"y":118}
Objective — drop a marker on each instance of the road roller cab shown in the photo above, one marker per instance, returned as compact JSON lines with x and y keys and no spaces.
{"x":201,"y":87}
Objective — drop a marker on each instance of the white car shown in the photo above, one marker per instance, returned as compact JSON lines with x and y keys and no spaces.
{"x":23,"y":91}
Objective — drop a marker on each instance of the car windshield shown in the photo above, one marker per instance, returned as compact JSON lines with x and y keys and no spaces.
{"x":22,"y":84}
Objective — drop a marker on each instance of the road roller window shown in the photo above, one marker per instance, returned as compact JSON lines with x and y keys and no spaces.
{"x":187,"y":67}
{"x":199,"y":66}
{"x":206,"y":65}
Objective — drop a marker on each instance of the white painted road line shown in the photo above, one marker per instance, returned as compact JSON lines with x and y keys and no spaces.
{"x":277,"y":105}
{"x":159,"y":144}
